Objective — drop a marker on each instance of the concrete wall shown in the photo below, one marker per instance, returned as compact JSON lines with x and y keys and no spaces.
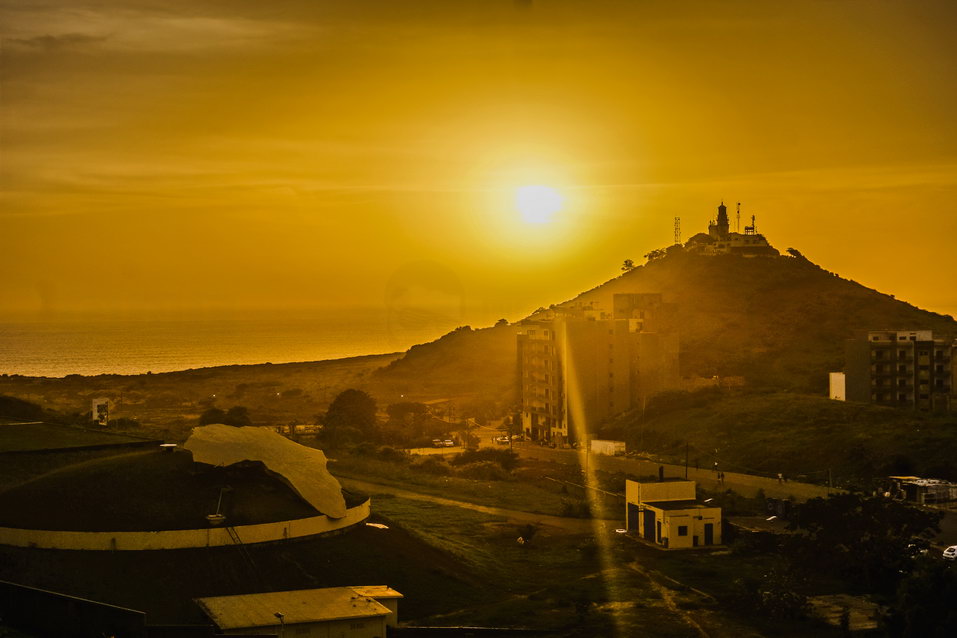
{"x":836,"y":382}
{"x":674,"y":519}
{"x":183,"y":538}
{"x":636,"y":492}
{"x":353,"y":628}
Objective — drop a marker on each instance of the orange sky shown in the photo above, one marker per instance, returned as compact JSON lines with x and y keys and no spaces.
{"x":224,"y":155}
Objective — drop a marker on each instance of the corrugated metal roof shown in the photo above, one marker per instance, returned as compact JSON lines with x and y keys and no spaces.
{"x":299,"y":606}
{"x":377,"y":591}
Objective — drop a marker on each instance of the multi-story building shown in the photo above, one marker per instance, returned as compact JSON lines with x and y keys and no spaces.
{"x":580,"y":365}
{"x":901,"y":368}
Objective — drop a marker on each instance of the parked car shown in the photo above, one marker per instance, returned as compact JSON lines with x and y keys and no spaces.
{"x":449,"y":443}
{"x":950,"y":553}
{"x":502,"y":440}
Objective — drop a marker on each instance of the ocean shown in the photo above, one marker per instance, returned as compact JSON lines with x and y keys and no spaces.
{"x":139,"y":344}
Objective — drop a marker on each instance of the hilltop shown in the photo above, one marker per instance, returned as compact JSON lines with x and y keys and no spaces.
{"x":779,"y":322}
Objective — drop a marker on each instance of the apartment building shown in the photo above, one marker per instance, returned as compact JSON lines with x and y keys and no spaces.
{"x":579,"y":365}
{"x":902,"y":369}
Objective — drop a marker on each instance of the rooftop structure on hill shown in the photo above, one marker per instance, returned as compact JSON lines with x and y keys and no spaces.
{"x":721,"y":240}
{"x":901,"y":368}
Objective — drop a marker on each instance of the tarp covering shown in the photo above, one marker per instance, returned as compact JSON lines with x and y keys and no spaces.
{"x":303,"y":468}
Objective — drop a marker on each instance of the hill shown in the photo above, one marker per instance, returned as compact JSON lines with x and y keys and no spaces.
{"x":779,"y":322}
{"x":799,"y":435}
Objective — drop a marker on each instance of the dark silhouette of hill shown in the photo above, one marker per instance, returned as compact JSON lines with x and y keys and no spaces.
{"x":464,"y":362}
{"x":779,"y":322}
{"x":776,"y":321}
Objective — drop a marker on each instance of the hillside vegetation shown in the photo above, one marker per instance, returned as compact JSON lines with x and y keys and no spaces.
{"x":801,"y":436}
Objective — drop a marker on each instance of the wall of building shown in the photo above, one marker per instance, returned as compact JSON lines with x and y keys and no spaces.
{"x":836,"y":386}
{"x":184,"y":538}
{"x":694,"y":519}
{"x":355,"y":628}
{"x":636,"y":492}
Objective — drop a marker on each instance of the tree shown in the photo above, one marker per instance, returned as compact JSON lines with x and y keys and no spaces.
{"x":628,"y":265}
{"x":871,"y":539}
{"x":212,"y":415}
{"x":351,"y":413}
{"x":237,"y":416}
{"x":924,"y":605}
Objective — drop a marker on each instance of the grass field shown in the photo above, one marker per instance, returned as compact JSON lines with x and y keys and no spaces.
{"x":800,"y":435}
{"x":22,"y":437}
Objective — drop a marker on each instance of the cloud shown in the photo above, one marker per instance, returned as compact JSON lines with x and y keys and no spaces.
{"x":60,"y":42}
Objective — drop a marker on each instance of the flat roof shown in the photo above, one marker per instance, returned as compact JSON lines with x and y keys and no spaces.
{"x":298,"y":606}
{"x":678,"y":505}
{"x":377,"y":591}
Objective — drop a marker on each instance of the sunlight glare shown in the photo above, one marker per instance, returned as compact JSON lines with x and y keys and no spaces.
{"x":537,"y":203}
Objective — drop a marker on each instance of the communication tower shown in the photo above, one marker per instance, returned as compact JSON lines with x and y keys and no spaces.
{"x":677,"y":231}
{"x":737,"y":221}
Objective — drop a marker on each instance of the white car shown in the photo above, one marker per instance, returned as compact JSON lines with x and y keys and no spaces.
{"x":950,"y":553}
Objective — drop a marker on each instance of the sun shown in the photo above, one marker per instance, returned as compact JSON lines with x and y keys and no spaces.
{"x":537,"y":203}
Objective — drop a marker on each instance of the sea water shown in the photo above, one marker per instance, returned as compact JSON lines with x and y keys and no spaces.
{"x":58,"y":346}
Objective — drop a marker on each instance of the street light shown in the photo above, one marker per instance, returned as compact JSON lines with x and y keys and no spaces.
{"x":282,"y":623}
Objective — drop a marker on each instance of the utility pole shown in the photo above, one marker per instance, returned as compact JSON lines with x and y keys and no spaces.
{"x":686,"y":459}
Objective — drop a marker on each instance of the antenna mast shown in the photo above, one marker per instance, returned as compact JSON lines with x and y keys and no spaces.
{"x":677,"y":231}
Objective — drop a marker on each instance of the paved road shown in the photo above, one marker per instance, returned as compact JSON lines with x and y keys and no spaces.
{"x":574,"y":525}
{"x":745,"y":484}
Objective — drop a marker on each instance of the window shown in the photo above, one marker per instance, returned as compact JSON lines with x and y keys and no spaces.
{"x":682,"y":530}
{"x":357,"y":625}
{"x":902,"y":369}
{"x":302,"y":631}
{"x":902,"y":397}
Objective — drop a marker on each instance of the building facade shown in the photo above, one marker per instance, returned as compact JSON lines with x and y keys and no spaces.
{"x":579,"y":365}
{"x":901,"y":369}
{"x":666,"y":513}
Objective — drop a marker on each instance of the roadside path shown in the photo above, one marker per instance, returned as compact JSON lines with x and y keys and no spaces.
{"x":745,"y":484}
{"x":572,"y":525}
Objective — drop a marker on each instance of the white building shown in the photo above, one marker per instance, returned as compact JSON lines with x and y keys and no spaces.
{"x":667,"y":514}
{"x":837,"y":385}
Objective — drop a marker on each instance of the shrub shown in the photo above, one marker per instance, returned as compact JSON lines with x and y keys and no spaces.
{"x":392,"y":455}
{"x":506,"y":459}
{"x":432,"y":465}
{"x":482,"y":471}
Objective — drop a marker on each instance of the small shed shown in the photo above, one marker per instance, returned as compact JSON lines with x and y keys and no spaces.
{"x":667,"y":514}
{"x":331,"y":611}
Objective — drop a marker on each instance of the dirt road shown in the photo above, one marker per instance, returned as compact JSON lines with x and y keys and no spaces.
{"x":572,"y":525}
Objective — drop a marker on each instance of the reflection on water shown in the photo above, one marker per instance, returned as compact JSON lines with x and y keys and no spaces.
{"x":138,"y":344}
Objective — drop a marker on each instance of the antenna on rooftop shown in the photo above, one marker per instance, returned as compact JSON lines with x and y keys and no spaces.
{"x":737,"y":222}
{"x":677,"y":231}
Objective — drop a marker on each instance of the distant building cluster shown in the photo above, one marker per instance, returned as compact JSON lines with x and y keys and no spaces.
{"x":721,"y":240}
{"x":899,"y":368}
{"x":580,"y":364}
